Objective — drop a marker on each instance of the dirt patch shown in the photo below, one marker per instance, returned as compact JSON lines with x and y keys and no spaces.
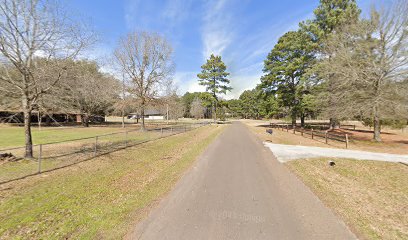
{"x":393,"y":141}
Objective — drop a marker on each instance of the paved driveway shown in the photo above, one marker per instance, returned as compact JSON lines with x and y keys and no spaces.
{"x":286,"y":153}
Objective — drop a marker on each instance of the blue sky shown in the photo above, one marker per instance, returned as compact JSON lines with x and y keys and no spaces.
{"x":241,"y":31}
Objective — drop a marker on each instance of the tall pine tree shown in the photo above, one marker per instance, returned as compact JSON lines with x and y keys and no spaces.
{"x":214,"y":77}
{"x":284,"y":69}
{"x":329,"y":16}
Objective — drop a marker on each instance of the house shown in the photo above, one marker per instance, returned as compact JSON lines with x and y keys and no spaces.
{"x":15,"y":116}
{"x":149,"y":114}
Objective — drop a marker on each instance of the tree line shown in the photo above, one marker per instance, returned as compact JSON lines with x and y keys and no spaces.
{"x":43,"y":67}
{"x":338,"y":65}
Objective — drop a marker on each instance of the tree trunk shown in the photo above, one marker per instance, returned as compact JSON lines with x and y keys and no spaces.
{"x":142,"y":111}
{"x":123,"y":119}
{"x":377,"y":127}
{"x":215,"y":112}
{"x":293,"y":116}
{"x":27,"y":133}
{"x":39,"y":119}
{"x":334,"y":123}
{"x":167,"y":113}
{"x":302,"y":120}
{"x":85,"y":120}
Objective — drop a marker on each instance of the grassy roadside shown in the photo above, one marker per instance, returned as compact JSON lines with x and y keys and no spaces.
{"x":100,"y":198}
{"x":369,"y":196}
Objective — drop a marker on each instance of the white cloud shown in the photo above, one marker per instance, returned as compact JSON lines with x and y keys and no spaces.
{"x":132,"y":12}
{"x":222,"y":33}
{"x":187,"y":82}
{"x":217,"y":32}
{"x":176,"y":11}
{"x":194,"y":86}
{"x":241,"y":83}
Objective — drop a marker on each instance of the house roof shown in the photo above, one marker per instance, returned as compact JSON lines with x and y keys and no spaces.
{"x":152,"y":112}
{"x":149,"y":112}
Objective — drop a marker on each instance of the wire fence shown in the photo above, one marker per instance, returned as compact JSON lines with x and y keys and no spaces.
{"x":320,"y":125}
{"x":56,"y":155}
{"x":326,"y":135}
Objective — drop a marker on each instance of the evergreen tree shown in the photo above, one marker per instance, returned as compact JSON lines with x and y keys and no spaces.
{"x":285,"y":68}
{"x":214,"y":77}
{"x":329,"y":16}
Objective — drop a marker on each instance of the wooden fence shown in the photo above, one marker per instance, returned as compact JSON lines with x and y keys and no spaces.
{"x":326,"y":135}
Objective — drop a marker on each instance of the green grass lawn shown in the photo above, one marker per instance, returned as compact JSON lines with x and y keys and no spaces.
{"x":67,"y":153}
{"x":102,"y":198}
{"x":14,"y":136}
{"x":370,"y":196}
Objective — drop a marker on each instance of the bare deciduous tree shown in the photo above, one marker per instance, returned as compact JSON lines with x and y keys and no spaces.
{"x":33,"y":34}
{"x":174,"y":107}
{"x":369,"y":65}
{"x":87,"y":90}
{"x":197,"y":108}
{"x":146,"y":60}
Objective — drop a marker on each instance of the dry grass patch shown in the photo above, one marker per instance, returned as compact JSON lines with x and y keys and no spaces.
{"x":282,"y":137}
{"x":370,"y":196}
{"x":393,"y":143}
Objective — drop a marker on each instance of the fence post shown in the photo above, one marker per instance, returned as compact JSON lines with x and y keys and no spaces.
{"x":126,"y":139}
{"x":294,"y":130}
{"x":96,"y":145}
{"x":287,"y":128}
{"x":301,"y":131}
{"x":354,"y":127}
{"x":325,"y":136}
{"x":39,"y":159}
{"x":171,"y":130}
{"x":312,"y":133}
{"x":347,"y":140}
{"x":161,"y":132}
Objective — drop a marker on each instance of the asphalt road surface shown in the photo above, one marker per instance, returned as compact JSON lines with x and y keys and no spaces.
{"x":238,"y":190}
